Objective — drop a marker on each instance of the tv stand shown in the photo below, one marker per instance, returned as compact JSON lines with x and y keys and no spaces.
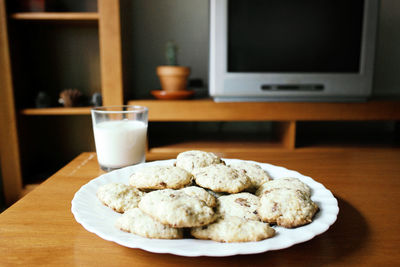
{"x":286,"y":119}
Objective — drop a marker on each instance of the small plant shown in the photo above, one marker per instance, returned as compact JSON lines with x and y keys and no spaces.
{"x":171,"y":52}
{"x":172,"y":77}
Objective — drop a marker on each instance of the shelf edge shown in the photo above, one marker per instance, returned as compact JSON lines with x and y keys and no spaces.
{"x":56,"y":111}
{"x":61,"y":16}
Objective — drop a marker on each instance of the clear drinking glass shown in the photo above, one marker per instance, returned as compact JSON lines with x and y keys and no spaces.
{"x":120,"y":135}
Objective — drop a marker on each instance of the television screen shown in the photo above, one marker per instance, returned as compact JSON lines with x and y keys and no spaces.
{"x":309,"y":36}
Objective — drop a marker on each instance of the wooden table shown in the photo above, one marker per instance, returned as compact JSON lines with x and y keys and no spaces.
{"x":41,"y":230}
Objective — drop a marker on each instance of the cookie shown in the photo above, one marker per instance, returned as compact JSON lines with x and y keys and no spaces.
{"x":286,"y":207}
{"x":160,"y":177}
{"x":137,"y":222}
{"x":177,"y":208}
{"x":234,"y":229}
{"x":287,"y":183}
{"x":193,"y":159}
{"x":243,"y":205}
{"x":256,"y":174}
{"x":119,"y":197}
{"x":202,"y":194}
{"x":221,"y":178}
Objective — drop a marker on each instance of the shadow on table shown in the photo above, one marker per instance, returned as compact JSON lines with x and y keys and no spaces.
{"x":345,"y":237}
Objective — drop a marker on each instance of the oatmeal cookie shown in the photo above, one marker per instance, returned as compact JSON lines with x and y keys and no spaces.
{"x":137,"y":222}
{"x":221,"y":178}
{"x":234,"y":229}
{"x":193,"y":159}
{"x":256,"y":174}
{"x":243,"y":205}
{"x":177,"y":208}
{"x":200,"y":193}
{"x":160,"y":177}
{"x":284,"y":183}
{"x":286,"y":207}
{"x":119,"y":197}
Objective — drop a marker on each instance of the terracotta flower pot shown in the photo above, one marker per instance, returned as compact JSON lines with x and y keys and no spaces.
{"x":173,"y":78}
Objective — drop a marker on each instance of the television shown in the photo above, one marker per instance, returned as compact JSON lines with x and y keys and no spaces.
{"x":292,"y":50}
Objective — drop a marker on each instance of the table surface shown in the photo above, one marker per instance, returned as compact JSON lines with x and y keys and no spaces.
{"x":41,"y":230}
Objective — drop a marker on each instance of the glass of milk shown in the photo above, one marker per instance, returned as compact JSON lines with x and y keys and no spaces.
{"x":120,"y":135}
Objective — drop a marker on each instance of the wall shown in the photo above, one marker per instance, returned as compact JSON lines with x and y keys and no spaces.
{"x":149,"y":24}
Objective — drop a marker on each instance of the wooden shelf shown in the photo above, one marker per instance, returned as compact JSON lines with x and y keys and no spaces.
{"x":225,"y":143}
{"x":218,"y":147}
{"x":208,"y":110}
{"x":286,"y":116}
{"x":239,"y":146}
{"x":60,"y":16}
{"x":106,"y":20}
{"x":57,"y":111}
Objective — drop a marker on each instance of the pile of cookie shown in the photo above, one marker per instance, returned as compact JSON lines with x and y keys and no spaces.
{"x":202,"y":195}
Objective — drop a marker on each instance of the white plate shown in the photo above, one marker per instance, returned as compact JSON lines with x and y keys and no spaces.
{"x":99,"y":219}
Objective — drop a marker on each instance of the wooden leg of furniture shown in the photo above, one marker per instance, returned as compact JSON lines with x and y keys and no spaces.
{"x":286,"y":132}
{"x":110,"y":62}
{"x":9,"y":149}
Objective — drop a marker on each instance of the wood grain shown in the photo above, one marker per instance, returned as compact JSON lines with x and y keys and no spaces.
{"x":110,"y":52}
{"x":208,"y":110}
{"x":59,"y":16}
{"x":286,"y":131}
{"x":9,"y":147}
{"x":40,"y":229}
{"x":57,"y":111}
{"x":229,"y":146}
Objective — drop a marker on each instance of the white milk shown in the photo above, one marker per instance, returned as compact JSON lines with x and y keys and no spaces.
{"x":120,"y":143}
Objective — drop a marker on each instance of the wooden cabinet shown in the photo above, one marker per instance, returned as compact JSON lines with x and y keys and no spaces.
{"x":22,"y":71}
{"x":9,"y":148}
